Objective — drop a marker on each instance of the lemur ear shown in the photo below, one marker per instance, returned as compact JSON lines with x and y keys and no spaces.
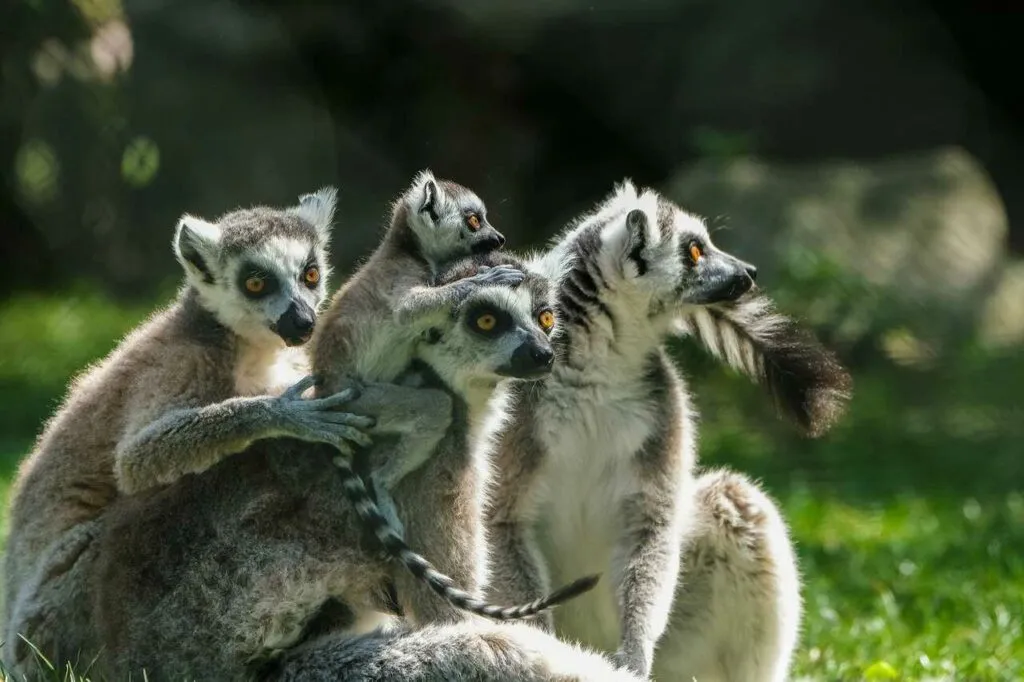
{"x":426,"y":196}
{"x":195,"y":246}
{"x":636,"y":240}
{"x":317,"y":209}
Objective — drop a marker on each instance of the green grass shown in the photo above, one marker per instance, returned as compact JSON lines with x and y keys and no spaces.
{"x":908,"y":518}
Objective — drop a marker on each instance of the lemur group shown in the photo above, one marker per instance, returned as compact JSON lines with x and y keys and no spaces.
{"x":465,"y":464}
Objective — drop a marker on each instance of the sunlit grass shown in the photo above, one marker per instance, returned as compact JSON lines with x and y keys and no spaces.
{"x":926,"y":589}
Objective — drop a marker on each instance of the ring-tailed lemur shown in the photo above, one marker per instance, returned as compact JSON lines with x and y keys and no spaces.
{"x":370,"y":333}
{"x":198,"y":381}
{"x":594,"y":466}
{"x":264,"y":552}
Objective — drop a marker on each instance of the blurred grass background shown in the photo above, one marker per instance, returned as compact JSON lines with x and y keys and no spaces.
{"x":865,"y":157}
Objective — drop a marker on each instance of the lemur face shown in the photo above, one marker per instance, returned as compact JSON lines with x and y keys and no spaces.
{"x":668,"y":253}
{"x":449,"y":220}
{"x":498,"y":332}
{"x":262,"y":272}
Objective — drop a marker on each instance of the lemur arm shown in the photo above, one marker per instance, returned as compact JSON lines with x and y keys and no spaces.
{"x":183,"y":440}
{"x":422,"y":304}
{"x":646,"y":565}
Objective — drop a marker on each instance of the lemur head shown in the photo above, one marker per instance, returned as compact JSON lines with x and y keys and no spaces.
{"x":666,"y":251}
{"x":643,"y":254}
{"x":448,"y":220}
{"x":262,"y":272}
{"x":497,"y":332}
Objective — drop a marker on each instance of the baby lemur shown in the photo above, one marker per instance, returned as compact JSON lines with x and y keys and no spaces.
{"x":370,"y":333}
{"x":594,"y":466}
{"x":198,"y":381}
{"x":262,"y":553}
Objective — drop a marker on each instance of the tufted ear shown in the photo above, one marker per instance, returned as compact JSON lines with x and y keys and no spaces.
{"x":425,"y":196}
{"x":195,"y":246}
{"x":636,"y":239}
{"x":317,"y":209}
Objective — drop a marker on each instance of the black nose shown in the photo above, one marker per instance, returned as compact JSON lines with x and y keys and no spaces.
{"x":489,"y":242}
{"x":530,"y":360}
{"x":542,"y":356}
{"x":295,"y":326}
{"x":752,"y":272}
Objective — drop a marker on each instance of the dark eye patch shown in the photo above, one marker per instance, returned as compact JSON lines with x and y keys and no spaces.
{"x":684,"y":249}
{"x":250,"y":270}
{"x":502,"y":320}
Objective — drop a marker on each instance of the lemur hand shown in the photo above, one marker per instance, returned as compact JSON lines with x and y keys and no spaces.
{"x":316,"y":420}
{"x":499,"y":275}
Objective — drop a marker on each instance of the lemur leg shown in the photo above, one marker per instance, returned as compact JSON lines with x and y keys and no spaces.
{"x":192,"y":440}
{"x":419,"y":417}
{"x":737,"y":616}
{"x":473,"y":651}
{"x":47,"y":605}
{"x":441,"y":508}
{"x":518,"y":572}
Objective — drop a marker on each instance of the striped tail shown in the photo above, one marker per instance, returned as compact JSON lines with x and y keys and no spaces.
{"x":805,"y":380}
{"x":444,"y":586}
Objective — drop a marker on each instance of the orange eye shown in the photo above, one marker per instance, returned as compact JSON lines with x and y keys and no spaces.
{"x":312,"y":275}
{"x":546,"y":319}
{"x":695,"y":253}
{"x":486,"y":322}
{"x":473,"y":220}
{"x":255,"y":285}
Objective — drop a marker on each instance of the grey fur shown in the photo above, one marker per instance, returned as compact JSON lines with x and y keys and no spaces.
{"x":737,"y":615}
{"x":615,"y":421}
{"x":261,"y":556}
{"x":371,"y":333}
{"x":198,"y":381}
{"x":454,"y":653}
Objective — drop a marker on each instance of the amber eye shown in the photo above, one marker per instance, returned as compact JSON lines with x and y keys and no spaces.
{"x":312,"y":275}
{"x":473,"y":220}
{"x":486,"y":322}
{"x":255,"y":285}
{"x":546,"y":319}
{"x":695,"y":253}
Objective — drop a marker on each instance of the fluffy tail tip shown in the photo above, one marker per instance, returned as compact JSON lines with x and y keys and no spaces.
{"x":575,"y":588}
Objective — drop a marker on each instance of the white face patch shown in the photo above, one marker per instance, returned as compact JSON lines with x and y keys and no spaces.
{"x":281,"y":259}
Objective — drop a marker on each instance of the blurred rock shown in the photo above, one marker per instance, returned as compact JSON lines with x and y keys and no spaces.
{"x":1002,"y":322}
{"x":929,"y":229}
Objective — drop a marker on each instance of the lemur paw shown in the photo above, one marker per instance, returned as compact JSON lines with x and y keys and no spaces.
{"x":317,"y":420}
{"x":499,"y":275}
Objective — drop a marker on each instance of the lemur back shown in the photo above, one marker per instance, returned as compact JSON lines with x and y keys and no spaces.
{"x":196,"y":382}
{"x":371,"y":333}
{"x":594,"y":468}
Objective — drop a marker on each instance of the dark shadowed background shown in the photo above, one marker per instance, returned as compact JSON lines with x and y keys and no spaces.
{"x":867,"y":156}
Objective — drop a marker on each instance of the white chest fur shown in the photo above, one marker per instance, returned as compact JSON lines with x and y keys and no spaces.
{"x":262,"y":370}
{"x":591,"y":435}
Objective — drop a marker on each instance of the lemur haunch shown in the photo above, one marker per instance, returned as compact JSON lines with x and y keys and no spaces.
{"x":263,"y":555}
{"x":370,"y":333}
{"x":198,"y":381}
{"x":594,"y":466}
